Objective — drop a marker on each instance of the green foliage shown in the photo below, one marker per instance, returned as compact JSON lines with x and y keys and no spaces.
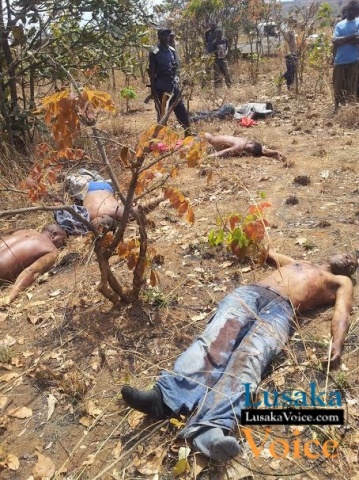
{"x":45,"y":41}
{"x":242,"y":234}
{"x":324,"y":15}
{"x":128,"y":93}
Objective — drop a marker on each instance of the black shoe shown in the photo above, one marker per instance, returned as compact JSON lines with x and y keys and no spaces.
{"x":146,"y":401}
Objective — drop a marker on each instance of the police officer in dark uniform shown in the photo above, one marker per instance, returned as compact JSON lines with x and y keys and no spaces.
{"x":162,"y":72}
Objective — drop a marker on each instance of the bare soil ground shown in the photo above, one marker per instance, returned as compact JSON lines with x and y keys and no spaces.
{"x":68,"y":352}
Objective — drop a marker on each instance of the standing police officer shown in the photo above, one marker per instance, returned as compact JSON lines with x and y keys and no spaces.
{"x":162,"y":72}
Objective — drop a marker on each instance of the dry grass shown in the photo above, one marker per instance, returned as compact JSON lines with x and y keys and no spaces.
{"x":81,"y":350}
{"x":348,"y":116}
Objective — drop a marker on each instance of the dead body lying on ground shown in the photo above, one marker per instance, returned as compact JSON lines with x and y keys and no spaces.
{"x":26,"y":254}
{"x":230,"y":146}
{"x":249,"y":328}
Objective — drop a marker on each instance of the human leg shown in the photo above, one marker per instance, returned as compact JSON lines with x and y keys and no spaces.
{"x":181,"y":111}
{"x":351,"y":81}
{"x":217,"y":76}
{"x":338,"y":84}
{"x":202,"y":364}
{"x":222,"y":404}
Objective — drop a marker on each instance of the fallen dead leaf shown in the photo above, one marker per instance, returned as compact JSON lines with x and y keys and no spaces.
{"x":34,"y":320}
{"x":85,"y":421}
{"x":116,"y":452}
{"x":92,"y":409}
{"x":45,"y":467}
{"x":90,"y":460}
{"x":200,"y":462}
{"x":199,"y":317}
{"x":11,"y":462}
{"x":27,"y":354}
{"x":7,"y":341}
{"x":51,"y":402}
{"x":5,"y":366}
{"x":55,"y":293}
{"x":3,"y":402}
{"x":3,"y":317}
{"x":8,"y":376}
{"x":135,"y":418}
{"x":20,"y":412}
{"x":17,"y":362}
{"x":152,"y":464}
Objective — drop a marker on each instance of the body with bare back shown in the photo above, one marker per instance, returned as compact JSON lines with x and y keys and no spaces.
{"x":248,"y":329}
{"x":230,"y":146}
{"x":26,"y":254}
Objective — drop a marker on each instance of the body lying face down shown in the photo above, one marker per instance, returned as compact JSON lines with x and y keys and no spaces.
{"x":26,"y":254}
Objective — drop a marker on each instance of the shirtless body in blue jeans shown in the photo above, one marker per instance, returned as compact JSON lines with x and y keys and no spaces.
{"x":249,"y":328}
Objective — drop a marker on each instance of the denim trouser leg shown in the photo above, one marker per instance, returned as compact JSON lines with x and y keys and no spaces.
{"x":245,"y":333}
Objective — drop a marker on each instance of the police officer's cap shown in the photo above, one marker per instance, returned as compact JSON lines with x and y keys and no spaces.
{"x":163,"y":31}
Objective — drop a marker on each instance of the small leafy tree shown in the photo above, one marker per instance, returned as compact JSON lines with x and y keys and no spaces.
{"x":242,"y":234}
{"x":150,"y":166}
{"x":128,"y":94}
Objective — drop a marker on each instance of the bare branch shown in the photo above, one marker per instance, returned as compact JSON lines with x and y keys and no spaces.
{"x":67,"y":208}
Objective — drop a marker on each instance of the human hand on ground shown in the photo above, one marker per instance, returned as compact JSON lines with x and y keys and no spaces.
{"x":335,"y":357}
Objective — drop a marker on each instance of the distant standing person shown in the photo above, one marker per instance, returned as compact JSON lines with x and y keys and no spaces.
{"x":291,"y":59}
{"x":346,"y":61}
{"x":210,"y":36}
{"x":163,"y":78}
{"x":220,"y":66}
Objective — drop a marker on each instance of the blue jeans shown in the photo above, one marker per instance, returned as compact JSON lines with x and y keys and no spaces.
{"x":250,"y":327}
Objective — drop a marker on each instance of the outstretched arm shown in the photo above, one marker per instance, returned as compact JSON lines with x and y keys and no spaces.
{"x":227,"y":152}
{"x":268,"y":152}
{"x":278,"y":259}
{"x":31,"y":273}
{"x":341,"y":316}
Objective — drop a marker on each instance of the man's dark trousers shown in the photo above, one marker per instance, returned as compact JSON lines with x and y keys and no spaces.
{"x":179,"y":110}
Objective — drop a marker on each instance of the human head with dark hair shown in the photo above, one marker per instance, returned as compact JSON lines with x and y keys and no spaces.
{"x":352,"y":9}
{"x":163,"y":35}
{"x":344,"y":12}
{"x":343,"y":264}
{"x":56,"y":234}
{"x":254,"y":148}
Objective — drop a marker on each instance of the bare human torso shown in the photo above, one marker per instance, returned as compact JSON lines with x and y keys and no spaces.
{"x":20,"y":250}
{"x":306,"y":285}
{"x":102,"y":203}
{"x":220,"y":142}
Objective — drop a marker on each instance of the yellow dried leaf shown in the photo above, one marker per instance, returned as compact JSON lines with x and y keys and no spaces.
{"x":11,"y":462}
{"x":44,"y":468}
{"x":20,"y":412}
{"x":8,"y":376}
{"x":181,"y":467}
{"x":176,"y":423}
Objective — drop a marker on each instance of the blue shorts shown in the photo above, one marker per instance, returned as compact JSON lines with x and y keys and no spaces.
{"x":96,"y":186}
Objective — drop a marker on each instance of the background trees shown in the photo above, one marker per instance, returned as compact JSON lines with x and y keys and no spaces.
{"x":40,"y":41}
